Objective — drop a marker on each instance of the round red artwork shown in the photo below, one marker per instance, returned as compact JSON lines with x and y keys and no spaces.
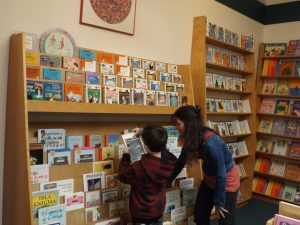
{"x":112,"y":11}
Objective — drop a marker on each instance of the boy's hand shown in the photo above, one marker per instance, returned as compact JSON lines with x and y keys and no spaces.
{"x":136,"y":130}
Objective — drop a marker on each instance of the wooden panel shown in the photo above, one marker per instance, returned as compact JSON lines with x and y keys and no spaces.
{"x":17,"y":191}
{"x":185,"y":71}
{"x":229,"y":69}
{"x":287,"y":209}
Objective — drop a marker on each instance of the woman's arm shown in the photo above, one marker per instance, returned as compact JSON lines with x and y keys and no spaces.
{"x":180,"y":163}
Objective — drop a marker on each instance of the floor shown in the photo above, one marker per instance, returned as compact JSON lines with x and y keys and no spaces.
{"x":256,"y":212}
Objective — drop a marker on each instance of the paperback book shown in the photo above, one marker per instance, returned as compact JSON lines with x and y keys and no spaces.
{"x":291,"y":128}
{"x":166,"y":77}
{"x":282,"y":87}
{"x":110,"y":80}
{"x":269,"y":87}
{"x":134,"y":145}
{"x":174,"y":99}
{"x":84,"y":154}
{"x":127,"y":82}
{"x":111,"y":95}
{"x":34,"y":90}
{"x":74,"y":201}
{"x":92,"y":214}
{"x":33,"y":72}
{"x":124,"y":96}
{"x":106,"y":68}
{"x":275,"y":49}
{"x":150,"y":97}
{"x":267,"y":106}
{"x":41,"y":199}
{"x":160,"y":67}
{"x":155,"y":85}
{"x":92,"y":78}
{"x":138,"y":73}
{"x":162,"y":98}
{"x":138,"y":97}
{"x":135,"y":62}
{"x":280,"y":147}
{"x":110,"y":195}
{"x":93,"y":181}
{"x":64,"y":186}
{"x":151,"y":75}
{"x":105,"y":57}
{"x":282,"y":107}
{"x":52,"y":214}
{"x":74,"y":76}
{"x":286,"y":68}
{"x":52,"y":74}
{"x":93,"y":93}
{"x":57,"y":157}
{"x":147,"y":64}
{"x":266,"y":125}
{"x":92,"y":199}
{"x":52,"y":138}
{"x":50,"y":60}
{"x":170,"y":87}
{"x":141,"y":83}
{"x":104,"y":166}
{"x":107,"y":153}
{"x":71,"y":63}
{"x":278,"y":126}
{"x":121,"y":60}
{"x":123,"y":70}
{"x":73,"y":92}
{"x":265,"y":145}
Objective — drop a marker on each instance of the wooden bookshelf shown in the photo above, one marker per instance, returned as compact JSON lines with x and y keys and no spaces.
{"x":199,"y":68}
{"x":259,"y":86}
{"x":273,"y":197}
{"x":24,"y":117}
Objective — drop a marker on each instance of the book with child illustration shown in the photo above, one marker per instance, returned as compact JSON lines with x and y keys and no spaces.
{"x":134,"y":145}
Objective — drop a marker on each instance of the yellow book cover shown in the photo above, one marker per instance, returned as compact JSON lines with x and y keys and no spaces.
{"x":103,"y":166}
{"x":42,"y":199}
{"x":32,"y":58}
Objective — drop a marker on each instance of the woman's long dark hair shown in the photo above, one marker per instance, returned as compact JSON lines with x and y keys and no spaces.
{"x":192,"y":119}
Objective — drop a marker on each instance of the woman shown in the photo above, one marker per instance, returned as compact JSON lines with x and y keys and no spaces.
{"x":221,"y":179}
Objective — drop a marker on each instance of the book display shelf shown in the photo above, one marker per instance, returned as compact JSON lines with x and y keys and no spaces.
{"x":25,"y":117}
{"x":219,"y":100}
{"x":277,"y":168}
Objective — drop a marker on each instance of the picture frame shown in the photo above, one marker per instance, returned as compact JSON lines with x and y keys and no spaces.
{"x":104,"y":15}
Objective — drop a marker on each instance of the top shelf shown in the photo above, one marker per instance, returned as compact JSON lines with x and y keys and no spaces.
{"x":282,"y":57}
{"x":222,"y":44}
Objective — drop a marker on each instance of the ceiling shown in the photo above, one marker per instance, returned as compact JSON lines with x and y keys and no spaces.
{"x":273,"y":2}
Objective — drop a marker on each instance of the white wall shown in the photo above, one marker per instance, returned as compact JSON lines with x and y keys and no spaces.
{"x":282,"y":32}
{"x":163,"y":32}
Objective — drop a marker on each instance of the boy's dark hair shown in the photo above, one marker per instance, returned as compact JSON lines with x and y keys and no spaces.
{"x":155,"y":137}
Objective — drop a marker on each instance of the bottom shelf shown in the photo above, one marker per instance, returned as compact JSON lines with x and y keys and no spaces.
{"x":274,"y":198}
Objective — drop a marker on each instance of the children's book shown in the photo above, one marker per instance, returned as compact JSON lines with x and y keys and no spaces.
{"x":57,"y":157}
{"x":275,"y":49}
{"x":39,"y":173}
{"x":170,"y":87}
{"x":212,"y":30}
{"x":225,"y":58}
{"x":111,"y":95}
{"x":172,"y":68}
{"x":217,"y":56}
{"x":105,"y":57}
{"x":74,"y":76}
{"x":151,"y":75}
{"x":110,"y":80}
{"x":297,"y":68}
{"x":52,"y":214}
{"x":138,"y":73}
{"x":110,"y":195}
{"x":166,"y":77}
{"x":292,"y":171}
{"x":30,"y":42}
{"x":39,"y":202}
{"x":160,"y":67}
{"x":228,"y":36}
{"x":235,"y":39}
{"x":116,"y":208}
{"x":52,"y":138}
{"x":92,"y":214}
{"x":267,"y":106}
{"x":269,"y":87}
{"x":266,"y":125}
{"x":74,"y":201}
{"x":141,"y":83}
{"x":94,"y":141}
{"x":289,"y":192}
{"x":209,"y":54}
{"x":189,"y":197}
{"x":277,"y":168}
{"x":92,"y":78}
{"x":88,"y":65}
{"x":84,"y":154}
{"x":179,"y":88}
{"x":172,"y":201}
{"x":85,"y":54}
{"x":64,"y":186}
{"x":138,"y":97}
{"x":294,"y":150}
{"x":121,"y":60}
{"x":32,"y":58}
{"x":92,"y":199}
{"x":112,"y":181}
{"x":154,"y":85}
{"x":147,"y":64}
{"x":291,"y":128}
{"x":280,"y":147}
{"x":174,"y":99}
{"x":107,"y":68}
{"x":33,"y":72}
{"x":162,"y":98}
{"x":283,"y":87}
{"x":286,"y":68}
{"x":104,"y":166}
{"x":294,"y":88}
{"x":50,"y":60}
{"x":220,"y":34}
{"x":73,"y":142}
{"x":244,"y":127}
{"x":284,"y":220}
{"x":52,"y":74}
{"x":127,"y":82}
{"x":241,"y":60}
{"x":71,"y":63}
{"x":73,"y":92}
{"x":107,"y":153}
{"x":93,"y":93}
{"x":150,"y":97}
{"x":279,"y":126}
{"x":123,"y":70}
{"x":234,"y":61}
{"x":34,"y":90}
{"x":112,"y":140}
{"x":135,"y":62}
{"x":265,"y":145}
{"x":93,"y":181}
{"x":292,"y":47}
{"x":134,"y":145}
{"x":124,"y":96}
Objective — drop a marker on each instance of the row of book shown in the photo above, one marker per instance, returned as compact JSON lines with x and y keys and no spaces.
{"x":222,"y":34}
{"x":281,"y":87}
{"x":71,"y":92}
{"x":284,"y":107}
{"x":280,"y":126}
{"x":282,"y":49}
{"x":238,"y":149}
{"x":281,"y":68}
{"x":225,"y":58}
{"x":230,"y":128}
{"x":279,"y":147}
{"x":227,"y":105}
{"x":277,"y":189}
{"x":225,"y":82}
{"x":277,"y":167}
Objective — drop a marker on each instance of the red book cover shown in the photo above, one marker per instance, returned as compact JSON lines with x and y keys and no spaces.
{"x":261,"y":185}
{"x":272,"y":67}
{"x":286,"y":68}
{"x":276,"y":189}
{"x":265,"y":165}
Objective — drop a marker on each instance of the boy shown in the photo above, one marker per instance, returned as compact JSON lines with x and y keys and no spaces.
{"x":148,"y":177}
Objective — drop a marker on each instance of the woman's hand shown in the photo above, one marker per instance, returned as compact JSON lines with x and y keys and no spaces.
{"x":220,"y":211}
{"x":136,"y":130}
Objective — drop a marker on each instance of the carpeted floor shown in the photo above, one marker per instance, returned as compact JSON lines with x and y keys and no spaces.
{"x":256,"y":212}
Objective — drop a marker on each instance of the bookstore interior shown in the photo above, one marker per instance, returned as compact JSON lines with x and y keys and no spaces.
{"x":73,"y":154}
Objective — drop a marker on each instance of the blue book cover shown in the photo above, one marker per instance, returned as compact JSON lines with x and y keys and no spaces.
{"x":53,"y":91}
{"x":58,"y":157}
{"x":52,"y":74}
{"x":34,"y":90}
{"x":92,"y":78}
{"x":87,"y":55}
{"x":112,"y":140}
{"x":279,"y":126}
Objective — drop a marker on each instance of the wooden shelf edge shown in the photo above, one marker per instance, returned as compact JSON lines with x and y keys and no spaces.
{"x":229,"y":114}
{"x":276,"y":177}
{"x":279,"y":78}
{"x":236,"y":136}
{"x":228,"y":69}
{"x":240,"y":157}
{"x":282,"y":57}
{"x":276,"y":115}
{"x":275,"y":198}
{"x":228,"y":91}
{"x":228,"y":46}
{"x":279,"y":96}
{"x":70,"y":107}
{"x":277,"y":135}
{"x":277,"y":156}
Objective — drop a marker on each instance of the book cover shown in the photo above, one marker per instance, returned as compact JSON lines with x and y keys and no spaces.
{"x":291,"y":128}
{"x":107,"y":153}
{"x":104,"y":166}
{"x":174,"y":99}
{"x":265,"y":145}
{"x":112,"y":181}
{"x":105,"y":57}
{"x":223,"y":131}
{"x":292,"y":171}
{"x":289,"y":192}
{"x":112,"y":140}
{"x":236,"y":127}
{"x":73,"y":92}
{"x":71,"y":63}
{"x":172,"y":201}
{"x":151,"y":75}
{"x":135,"y":146}
{"x":259,"y":184}
{"x":209,"y":54}
{"x":220,"y":105}
{"x":93,"y":93}
{"x":178,"y":214}
{"x":138,"y":97}
{"x":32,"y":58}
{"x":74,"y":201}
{"x":111,"y":95}
{"x":52,"y":214}
{"x":107,"y":68}
{"x":135,"y":62}
{"x":41,"y":199}
{"x":166,"y":77}
{"x":179,"y":88}
{"x":187,"y":183}
{"x":39,"y":173}
{"x":280,"y":147}
{"x":141,"y":83}
{"x":267,"y":106}
{"x":234,"y":61}
{"x":84,"y":154}
{"x":64,"y":186}
{"x":52,"y":74}
{"x":274,"y":189}
{"x":241,"y":149}
{"x":292,"y":47}
{"x":277,"y":168}
{"x":94,"y":141}
{"x":269,"y":87}
{"x":244,"y":127}
{"x":52,"y":138}
{"x":286,"y":68}
{"x":34,"y":90}
{"x":33,"y":72}
{"x":160,"y":67}
{"x":228,"y":36}
{"x":217,"y":56}
{"x":225,"y":58}
{"x":189,"y":197}
{"x":241,"y":60}
{"x":57,"y":157}
{"x":121,"y":60}
{"x":212,"y":30}
{"x":172,"y":68}
{"x":294,"y":88}
{"x":275,"y":49}
{"x":266,"y":125}
{"x":162,"y":98}
{"x":220,"y":34}
{"x":150,"y":97}
{"x":50,"y":60}
{"x":92,"y":214}
{"x":238,"y":84}
{"x":297,"y":68}
{"x":297,"y":195}
{"x":74,"y":142}
{"x":284,"y":220}
{"x":278,"y":126}
{"x":124,"y":96}
{"x":209,"y":80}
{"x":138,"y":73}
{"x":235,"y":39}
{"x":147,"y":64}
{"x":74,"y":76}
{"x":282,"y":106}
{"x":92,"y":78}
{"x":294,"y":150}
{"x":88,"y":65}
{"x":53,"y":91}
{"x":92,"y":199}
{"x":110,"y":80}
{"x":245,"y":106}
{"x":170,"y":87}
{"x":30,"y":42}
{"x":116,"y":208}
{"x":93,"y":181}
{"x":154,"y":85}
{"x":85,"y":54}
{"x":109,"y":196}
{"x":123,"y":70}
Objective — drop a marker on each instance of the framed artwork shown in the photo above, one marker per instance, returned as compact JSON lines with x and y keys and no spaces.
{"x":118,"y":15}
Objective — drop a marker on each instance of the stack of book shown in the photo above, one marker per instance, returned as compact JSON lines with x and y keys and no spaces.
{"x":230,"y":128}
{"x":281,"y":87}
{"x":228,"y":105}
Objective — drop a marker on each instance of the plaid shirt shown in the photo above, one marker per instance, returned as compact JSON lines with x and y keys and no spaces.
{"x":148,"y":178}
